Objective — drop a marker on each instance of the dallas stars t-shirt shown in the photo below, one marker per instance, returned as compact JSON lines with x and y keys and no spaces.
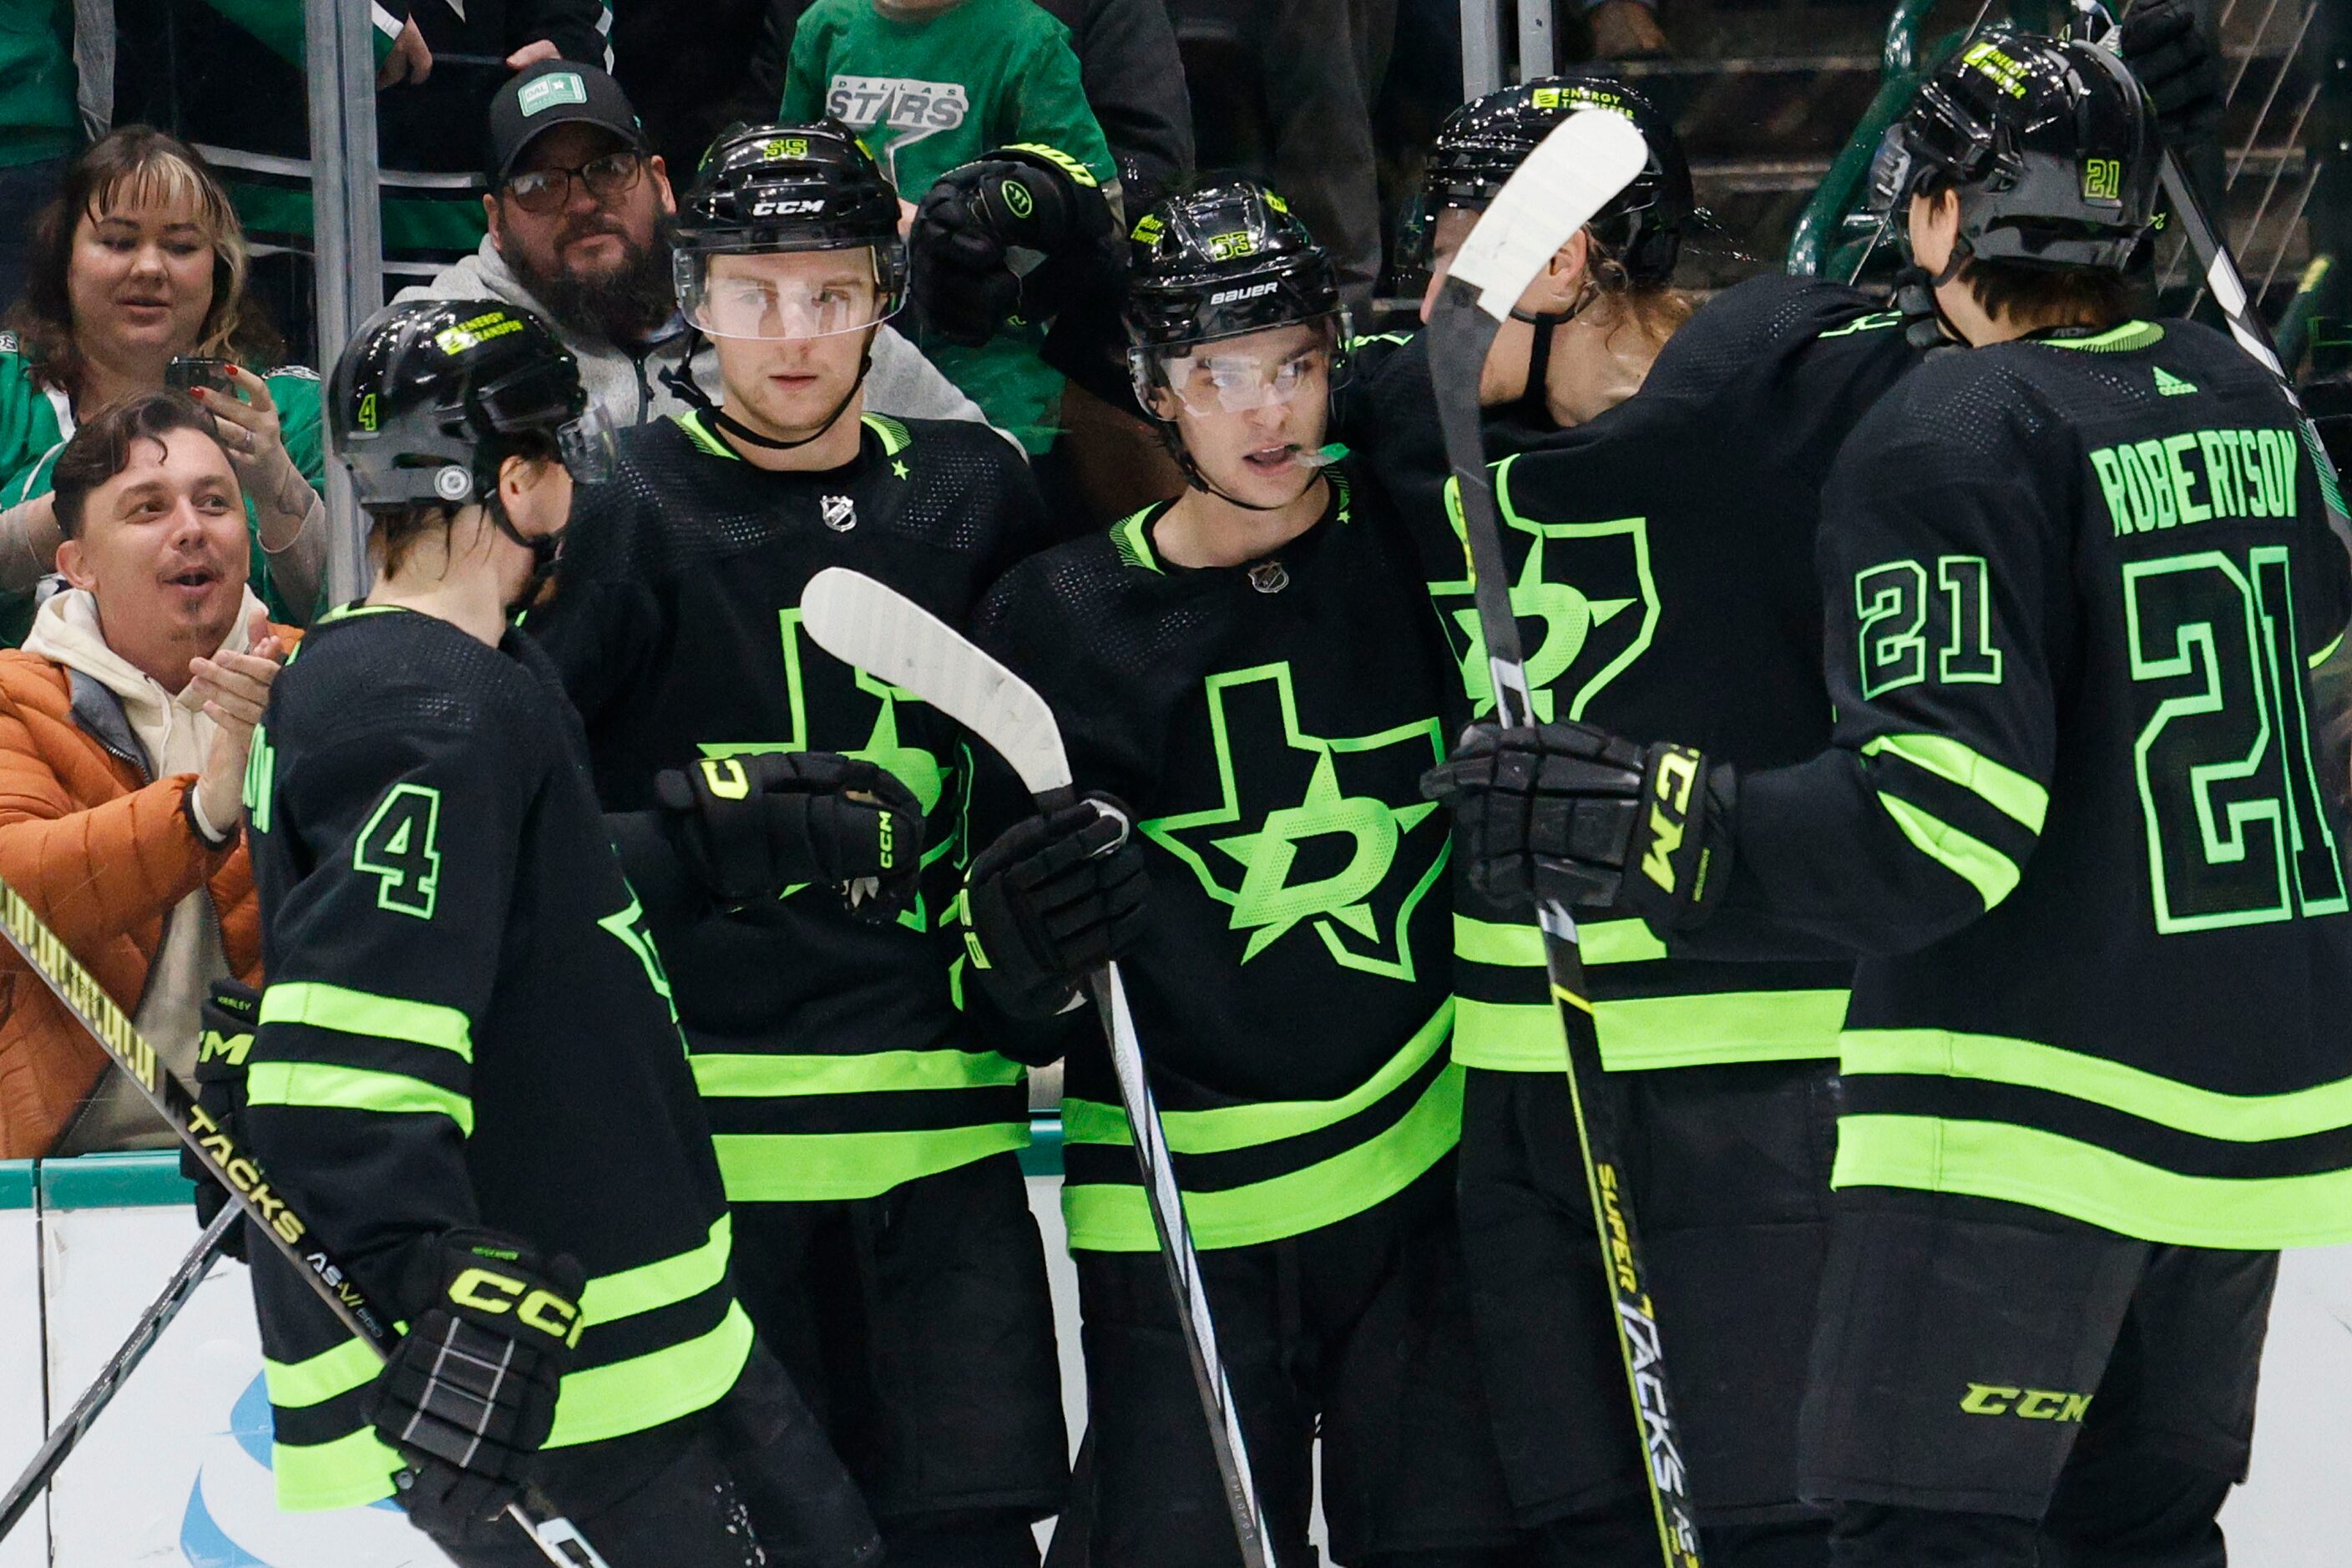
{"x":1268,"y":725}
{"x":927,"y":94}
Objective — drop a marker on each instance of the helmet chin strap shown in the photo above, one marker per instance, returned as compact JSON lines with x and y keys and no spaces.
{"x":1535,"y":404}
{"x":545,"y":552}
{"x":679,"y":379}
{"x":1925,"y":325}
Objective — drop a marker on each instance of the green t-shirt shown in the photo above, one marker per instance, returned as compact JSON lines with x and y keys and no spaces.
{"x":928,"y":94}
{"x":35,"y":422}
{"x":38,"y":118}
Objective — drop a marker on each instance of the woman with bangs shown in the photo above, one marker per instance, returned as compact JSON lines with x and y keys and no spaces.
{"x":139,"y":261}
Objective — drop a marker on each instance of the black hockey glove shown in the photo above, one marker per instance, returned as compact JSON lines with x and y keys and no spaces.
{"x":962,"y":247}
{"x":748,"y":828}
{"x":2176,"y":67}
{"x":1568,"y":814}
{"x":227,"y":1023}
{"x":470,"y":1393}
{"x":1052,"y":898}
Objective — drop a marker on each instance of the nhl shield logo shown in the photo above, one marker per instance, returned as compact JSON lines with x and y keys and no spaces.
{"x":840,"y":513}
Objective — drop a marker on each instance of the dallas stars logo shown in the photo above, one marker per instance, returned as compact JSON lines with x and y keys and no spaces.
{"x":1310,"y":837}
{"x":839,"y":708}
{"x":1585,"y":599}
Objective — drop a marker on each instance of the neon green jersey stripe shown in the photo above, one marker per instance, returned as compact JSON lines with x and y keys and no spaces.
{"x":1114,"y":1218}
{"x":1520,"y":946}
{"x":350,"y":1011}
{"x":806,"y":1167}
{"x":2006,"y":790}
{"x":645,"y":1391}
{"x":1235,"y":1126}
{"x":762,"y":1077}
{"x":2095,"y":1186}
{"x":666,"y":1282}
{"x":316,"y":1086}
{"x":352,"y":1471}
{"x":297,"y":1385}
{"x":1991,"y":873}
{"x":1994,"y":1058}
{"x":1648,"y":1033}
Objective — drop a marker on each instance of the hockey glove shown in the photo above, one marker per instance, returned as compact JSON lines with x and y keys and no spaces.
{"x":965,"y":260}
{"x":2176,"y":67}
{"x":227,"y":1021}
{"x":1570,"y":815}
{"x":1054,"y":898}
{"x":750,"y":827}
{"x":470,"y":1393}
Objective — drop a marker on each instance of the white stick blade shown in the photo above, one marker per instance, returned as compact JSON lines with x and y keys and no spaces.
{"x":1573,"y":172}
{"x":881,"y":631}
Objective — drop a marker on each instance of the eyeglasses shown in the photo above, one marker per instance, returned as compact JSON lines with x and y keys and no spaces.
{"x":550,"y":190}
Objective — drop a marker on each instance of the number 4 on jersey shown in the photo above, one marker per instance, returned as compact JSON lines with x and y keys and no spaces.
{"x":398,"y":846}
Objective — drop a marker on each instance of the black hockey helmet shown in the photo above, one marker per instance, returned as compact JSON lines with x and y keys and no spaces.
{"x":431,"y":397}
{"x":2052,"y":146}
{"x":1483,"y":144}
{"x":1226,"y":259}
{"x":767,"y":188}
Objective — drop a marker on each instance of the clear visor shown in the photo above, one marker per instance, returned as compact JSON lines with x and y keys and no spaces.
{"x":1225,"y":380}
{"x":1890,"y":171}
{"x":748,"y":303}
{"x":590,"y":451}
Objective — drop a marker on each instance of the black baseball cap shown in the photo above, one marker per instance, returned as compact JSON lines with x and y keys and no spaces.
{"x":550,"y":94}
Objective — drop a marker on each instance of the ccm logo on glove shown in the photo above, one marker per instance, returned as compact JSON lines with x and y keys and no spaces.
{"x":491,"y":1294}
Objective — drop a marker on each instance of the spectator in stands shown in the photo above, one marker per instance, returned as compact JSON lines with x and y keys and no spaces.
{"x":929,"y":84}
{"x":580,"y":214}
{"x":125,"y":721}
{"x":1127,"y":65}
{"x":40,"y":128}
{"x":140,"y":259}
{"x":228,"y":77}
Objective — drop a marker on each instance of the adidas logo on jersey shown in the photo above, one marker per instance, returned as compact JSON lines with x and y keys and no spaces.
{"x":2170,"y":385}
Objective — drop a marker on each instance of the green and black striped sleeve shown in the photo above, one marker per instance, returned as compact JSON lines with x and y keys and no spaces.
{"x":383,"y":949}
{"x":1945,"y":589}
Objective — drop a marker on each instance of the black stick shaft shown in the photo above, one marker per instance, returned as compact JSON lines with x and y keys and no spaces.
{"x":1460,"y":335}
{"x":1177,"y":1250}
{"x":67,"y":1434}
{"x":239,"y":1175}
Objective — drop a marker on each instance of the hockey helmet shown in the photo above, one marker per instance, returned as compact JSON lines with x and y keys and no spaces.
{"x":1484,"y":143}
{"x":762,"y":189}
{"x":2052,"y":146}
{"x":1220,"y":262}
{"x":430,"y":397}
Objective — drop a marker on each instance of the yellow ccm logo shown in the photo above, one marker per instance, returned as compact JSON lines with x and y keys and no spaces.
{"x":1676,"y":770}
{"x":2025,"y":1403}
{"x":726,"y":778}
{"x":542,"y":1310}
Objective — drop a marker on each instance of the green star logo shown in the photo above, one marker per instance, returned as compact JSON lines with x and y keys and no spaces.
{"x":1311,"y":838}
{"x":1585,"y":598}
{"x":899,"y":469}
{"x":839,"y":708}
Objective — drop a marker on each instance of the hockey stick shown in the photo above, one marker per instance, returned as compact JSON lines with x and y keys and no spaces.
{"x":242,"y":1177}
{"x":2227,"y":284}
{"x":1587,"y":159}
{"x":864,"y":623}
{"x":67,"y":1434}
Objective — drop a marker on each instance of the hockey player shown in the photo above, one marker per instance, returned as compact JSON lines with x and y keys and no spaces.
{"x":2094,"y":1064}
{"x":466,"y":1075}
{"x":865,"y":1130}
{"x":1648,"y":584}
{"x":1249,"y":671}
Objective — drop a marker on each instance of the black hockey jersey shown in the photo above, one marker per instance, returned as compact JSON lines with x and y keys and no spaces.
{"x":832,"y":1056}
{"x":2074,"y":584}
{"x":1662,"y":561}
{"x":466,"y":1023}
{"x":1268,"y":724}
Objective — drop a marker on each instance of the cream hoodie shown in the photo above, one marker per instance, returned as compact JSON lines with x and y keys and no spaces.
{"x":176,"y":735}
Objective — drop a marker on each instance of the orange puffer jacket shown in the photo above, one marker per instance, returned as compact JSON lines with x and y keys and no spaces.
{"x":101,"y":855}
